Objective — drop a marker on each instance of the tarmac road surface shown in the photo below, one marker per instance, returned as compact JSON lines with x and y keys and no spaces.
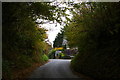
{"x":55,"y":68}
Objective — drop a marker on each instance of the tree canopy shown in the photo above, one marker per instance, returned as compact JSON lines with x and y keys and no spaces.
{"x":23,"y":39}
{"x":95,"y":30}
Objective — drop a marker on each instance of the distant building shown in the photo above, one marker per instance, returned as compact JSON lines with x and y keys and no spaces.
{"x":69,"y":51}
{"x":65,"y":43}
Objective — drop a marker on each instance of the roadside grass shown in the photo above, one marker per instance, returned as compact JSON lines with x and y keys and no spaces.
{"x":51,"y":54}
{"x":21,"y":66}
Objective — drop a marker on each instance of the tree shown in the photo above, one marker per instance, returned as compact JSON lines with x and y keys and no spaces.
{"x":23,"y":40}
{"x":94,"y":30}
{"x":58,"y":40}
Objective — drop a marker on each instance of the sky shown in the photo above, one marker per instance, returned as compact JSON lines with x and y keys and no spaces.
{"x":52,"y":31}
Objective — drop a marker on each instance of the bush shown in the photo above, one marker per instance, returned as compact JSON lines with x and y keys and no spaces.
{"x":98,"y":44}
{"x":45,"y":57}
{"x":98,"y":64}
{"x":51,"y":54}
{"x":61,"y":54}
{"x":6,"y":69}
{"x":23,"y":61}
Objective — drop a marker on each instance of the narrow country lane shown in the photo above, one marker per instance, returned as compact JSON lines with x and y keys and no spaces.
{"x":56,"y":68}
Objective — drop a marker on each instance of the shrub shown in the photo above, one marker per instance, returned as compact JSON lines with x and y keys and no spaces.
{"x":45,"y":57}
{"x":23,"y":61}
{"x":6,"y":69}
{"x":51,"y":54}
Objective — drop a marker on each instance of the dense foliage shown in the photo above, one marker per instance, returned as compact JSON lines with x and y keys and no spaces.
{"x":51,"y":54}
{"x":95,"y":30}
{"x":23,"y":39}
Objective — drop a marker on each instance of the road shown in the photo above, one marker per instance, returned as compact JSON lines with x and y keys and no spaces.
{"x":55,"y":68}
